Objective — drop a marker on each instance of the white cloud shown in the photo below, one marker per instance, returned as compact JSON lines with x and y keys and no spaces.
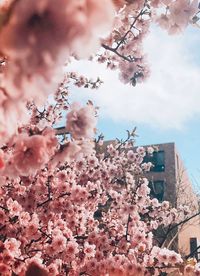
{"x":168,"y":99}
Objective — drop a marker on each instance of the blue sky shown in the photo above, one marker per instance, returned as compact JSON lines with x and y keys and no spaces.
{"x":166,"y":108}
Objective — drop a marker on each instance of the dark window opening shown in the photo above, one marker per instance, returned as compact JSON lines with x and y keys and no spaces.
{"x":194,"y":249}
{"x":158,"y":161}
{"x":157,"y":189}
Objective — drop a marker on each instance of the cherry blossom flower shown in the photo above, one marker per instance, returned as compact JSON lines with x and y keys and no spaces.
{"x":81,"y":121}
{"x":59,"y":243}
{"x":119,"y":3}
{"x":28,"y":33}
{"x":12,"y":245}
{"x":67,"y":153}
{"x":14,"y":207}
{"x":66,"y":208}
{"x":182,"y":11}
{"x":71,"y":248}
{"x":89,"y":250}
{"x":30,"y":154}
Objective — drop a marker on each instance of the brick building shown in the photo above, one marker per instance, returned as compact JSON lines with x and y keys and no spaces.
{"x":169,"y":181}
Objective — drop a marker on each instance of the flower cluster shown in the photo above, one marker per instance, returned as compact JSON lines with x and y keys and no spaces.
{"x":92,"y":213}
{"x":45,"y":35}
{"x":123,"y":48}
{"x":178,"y":15}
{"x":37,"y":38}
{"x":70,"y":205}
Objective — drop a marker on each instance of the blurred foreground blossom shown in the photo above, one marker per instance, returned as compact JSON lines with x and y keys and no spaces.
{"x":39,"y":36}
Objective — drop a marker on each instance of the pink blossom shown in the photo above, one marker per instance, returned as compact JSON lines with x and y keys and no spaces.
{"x":5,"y":270}
{"x":2,"y":163}
{"x":30,"y":154}
{"x":13,"y":245}
{"x":28,"y":33}
{"x":143,"y":189}
{"x":141,"y":151}
{"x":188,"y":270}
{"x":24,"y":218}
{"x":179,"y":16}
{"x":111,"y":150}
{"x":131,"y":155}
{"x":163,"y":21}
{"x":150,"y":150}
{"x":81,"y":121}
{"x":119,"y":3}
{"x":67,"y":153}
{"x":51,"y":140}
{"x":165,"y":204}
{"x":167,"y":2}
{"x":71,"y":248}
{"x":147,"y":166}
{"x":182,"y":11}
{"x":53,"y":269}
{"x":128,"y":71}
{"x":59,"y":243}
{"x":31,"y":229}
{"x":66,"y":209}
{"x":14,"y":207}
{"x":89,"y":250}
{"x":11,"y":113}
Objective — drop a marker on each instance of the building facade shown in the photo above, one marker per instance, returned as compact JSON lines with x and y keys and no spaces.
{"x":168,"y":180}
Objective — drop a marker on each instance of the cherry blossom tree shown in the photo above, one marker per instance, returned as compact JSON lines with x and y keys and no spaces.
{"x":70,"y":206}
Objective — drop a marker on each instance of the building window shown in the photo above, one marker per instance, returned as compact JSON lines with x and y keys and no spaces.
{"x":157,"y":189}
{"x":194,"y":249}
{"x":158,"y":161}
